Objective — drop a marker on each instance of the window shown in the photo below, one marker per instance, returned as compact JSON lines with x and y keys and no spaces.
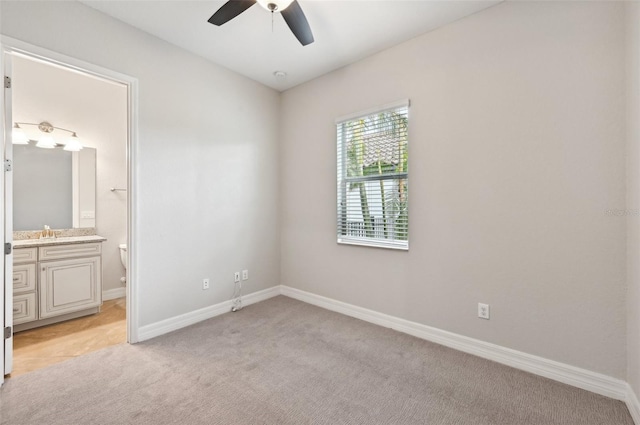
{"x":373,"y":178}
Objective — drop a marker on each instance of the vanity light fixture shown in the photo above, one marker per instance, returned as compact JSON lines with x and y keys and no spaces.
{"x":46,"y":140}
{"x":73,"y":143}
{"x":18,"y":137}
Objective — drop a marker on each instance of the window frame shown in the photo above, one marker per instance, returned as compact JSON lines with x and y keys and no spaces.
{"x":343,"y":180}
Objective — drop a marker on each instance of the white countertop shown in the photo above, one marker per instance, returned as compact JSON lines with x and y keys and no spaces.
{"x":28,"y":243}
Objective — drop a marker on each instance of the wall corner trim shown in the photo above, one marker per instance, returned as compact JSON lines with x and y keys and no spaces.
{"x":633,"y":405}
{"x":561,"y":372}
{"x":178,"y":322}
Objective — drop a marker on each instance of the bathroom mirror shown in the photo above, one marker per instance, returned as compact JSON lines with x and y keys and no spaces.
{"x":53,"y":187}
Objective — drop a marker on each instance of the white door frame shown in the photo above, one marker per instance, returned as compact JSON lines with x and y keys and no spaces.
{"x":8,"y":216}
{"x":6,"y":303}
{"x":10,"y":46}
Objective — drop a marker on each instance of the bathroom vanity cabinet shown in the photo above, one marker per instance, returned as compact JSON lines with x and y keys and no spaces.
{"x":56,"y":280}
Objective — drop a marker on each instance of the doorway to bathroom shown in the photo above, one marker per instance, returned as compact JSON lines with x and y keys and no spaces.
{"x":67,"y":208}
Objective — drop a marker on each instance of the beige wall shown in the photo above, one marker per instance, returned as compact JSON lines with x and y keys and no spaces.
{"x":632,"y":13}
{"x":97,"y":111}
{"x":517,"y":150}
{"x":206,"y":158}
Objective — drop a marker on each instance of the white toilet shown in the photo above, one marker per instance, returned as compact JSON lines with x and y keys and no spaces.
{"x":123,"y":259}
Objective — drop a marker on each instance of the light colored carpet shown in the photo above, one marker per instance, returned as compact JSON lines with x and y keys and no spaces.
{"x":285,"y":362}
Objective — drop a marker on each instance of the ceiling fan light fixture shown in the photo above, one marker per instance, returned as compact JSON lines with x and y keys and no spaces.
{"x":275,"y":5}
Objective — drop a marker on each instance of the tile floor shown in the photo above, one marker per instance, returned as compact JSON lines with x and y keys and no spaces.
{"x":41,"y":347}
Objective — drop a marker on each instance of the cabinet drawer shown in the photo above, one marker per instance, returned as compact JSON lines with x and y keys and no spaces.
{"x":24,"y":308}
{"x":24,"y":278}
{"x":25,"y":255}
{"x":58,"y":252}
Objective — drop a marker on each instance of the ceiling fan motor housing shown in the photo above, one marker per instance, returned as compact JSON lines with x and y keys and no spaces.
{"x":275,"y":5}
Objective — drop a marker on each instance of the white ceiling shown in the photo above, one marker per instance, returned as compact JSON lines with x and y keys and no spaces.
{"x":344,"y":32}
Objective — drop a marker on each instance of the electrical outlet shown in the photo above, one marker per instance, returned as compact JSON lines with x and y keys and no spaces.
{"x":245,"y":274}
{"x":483,"y":311}
{"x":205,"y":284}
{"x":236,"y":277}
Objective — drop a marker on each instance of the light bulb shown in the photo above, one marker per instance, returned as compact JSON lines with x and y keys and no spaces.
{"x":73,"y":144}
{"x":18,"y":137}
{"x":46,"y":142}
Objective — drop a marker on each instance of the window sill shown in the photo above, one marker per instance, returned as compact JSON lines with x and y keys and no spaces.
{"x":400,"y":246}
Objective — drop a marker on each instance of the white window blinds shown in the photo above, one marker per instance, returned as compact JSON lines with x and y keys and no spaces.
{"x":373,"y":178}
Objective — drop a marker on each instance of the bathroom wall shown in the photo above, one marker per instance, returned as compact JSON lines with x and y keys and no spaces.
{"x":86,"y":190}
{"x":96,"y":110}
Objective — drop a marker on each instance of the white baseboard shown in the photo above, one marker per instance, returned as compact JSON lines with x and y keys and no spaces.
{"x":561,"y":372}
{"x":633,"y":405}
{"x":174,"y":323}
{"x":571,"y":375}
{"x":112,"y":294}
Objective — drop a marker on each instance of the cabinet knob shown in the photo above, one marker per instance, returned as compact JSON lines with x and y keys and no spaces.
{"x":15,"y":310}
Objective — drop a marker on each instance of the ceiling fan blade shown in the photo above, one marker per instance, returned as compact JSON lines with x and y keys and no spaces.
{"x":294,"y":17}
{"x":230,"y":10}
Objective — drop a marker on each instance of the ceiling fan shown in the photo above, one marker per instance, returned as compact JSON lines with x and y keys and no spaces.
{"x":290,"y":10}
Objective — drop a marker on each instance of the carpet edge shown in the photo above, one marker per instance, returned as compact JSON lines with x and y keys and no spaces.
{"x":178,"y":322}
{"x":633,"y":405}
{"x":571,"y":375}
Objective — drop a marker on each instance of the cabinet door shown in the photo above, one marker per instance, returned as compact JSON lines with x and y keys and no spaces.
{"x":70,"y":285}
